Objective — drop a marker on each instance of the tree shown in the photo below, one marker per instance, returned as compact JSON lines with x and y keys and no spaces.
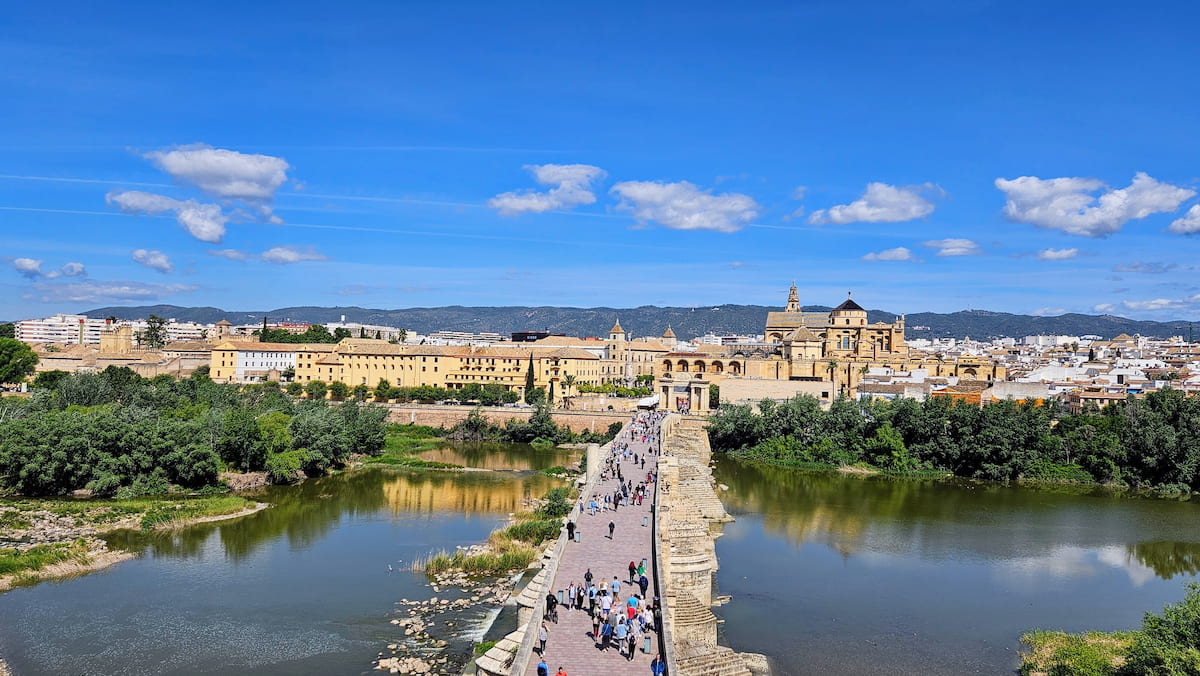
{"x":832,"y":368}
{"x":550,"y":396}
{"x":8,"y":330}
{"x":155,"y":335}
{"x":340,"y":333}
{"x":569,"y":382}
{"x":529,"y":381}
{"x":362,"y":332}
{"x":17,"y":360}
{"x":49,"y":379}
{"x":378,"y":335}
{"x":316,"y":389}
{"x":714,"y":396}
{"x":295,"y":389}
{"x":339,"y":390}
{"x":403,"y":335}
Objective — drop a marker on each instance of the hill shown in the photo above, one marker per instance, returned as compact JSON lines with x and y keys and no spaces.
{"x":649,"y":320}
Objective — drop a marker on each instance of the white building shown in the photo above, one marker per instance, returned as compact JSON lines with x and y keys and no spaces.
{"x":253,"y":365}
{"x":61,"y":329}
{"x":79,"y":329}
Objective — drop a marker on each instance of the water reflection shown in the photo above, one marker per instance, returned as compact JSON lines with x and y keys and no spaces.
{"x":962,"y":520}
{"x":838,"y":574}
{"x":495,"y":455}
{"x":304,"y":587}
{"x":307,"y":512}
{"x":1168,"y":559}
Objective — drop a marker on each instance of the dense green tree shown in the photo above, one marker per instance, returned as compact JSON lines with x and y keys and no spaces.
{"x":17,"y":360}
{"x":316,"y":389}
{"x":154,"y":336}
{"x":529,"y":381}
{"x":241,"y":444}
{"x":339,"y":390}
{"x":295,"y":389}
{"x":8,"y":330}
{"x":49,"y":379}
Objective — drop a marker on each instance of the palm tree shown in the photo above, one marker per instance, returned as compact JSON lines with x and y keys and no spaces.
{"x":569,"y":381}
{"x":832,"y":368}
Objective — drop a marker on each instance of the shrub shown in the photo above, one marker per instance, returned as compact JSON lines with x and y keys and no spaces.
{"x":284,"y":468}
{"x":1168,"y":643}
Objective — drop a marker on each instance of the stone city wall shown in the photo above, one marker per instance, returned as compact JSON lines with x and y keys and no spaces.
{"x":448,"y":416}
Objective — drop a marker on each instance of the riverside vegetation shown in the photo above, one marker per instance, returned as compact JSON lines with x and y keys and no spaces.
{"x":155,"y":449}
{"x":1168,"y":644}
{"x":1153,"y":442}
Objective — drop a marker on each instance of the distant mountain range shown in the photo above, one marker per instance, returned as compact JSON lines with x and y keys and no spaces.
{"x":649,"y":320}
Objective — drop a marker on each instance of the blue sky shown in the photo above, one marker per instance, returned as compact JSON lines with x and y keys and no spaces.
{"x":930,"y":156}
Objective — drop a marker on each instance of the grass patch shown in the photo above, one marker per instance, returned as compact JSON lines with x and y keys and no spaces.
{"x":12,"y":518}
{"x":402,"y":444}
{"x":534,"y":531}
{"x":166,"y":513}
{"x":514,"y":557}
{"x":13,"y":562}
{"x":558,"y":470}
{"x":402,"y":460}
{"x":1056,"y":653}
{"x":481,"y":648}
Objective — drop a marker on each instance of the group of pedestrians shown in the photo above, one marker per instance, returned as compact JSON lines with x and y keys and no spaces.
{"x":615,"y":599}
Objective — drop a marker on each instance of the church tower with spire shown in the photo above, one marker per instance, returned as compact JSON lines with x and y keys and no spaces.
{"x":616,"y":333}
{"x":793,"y":302}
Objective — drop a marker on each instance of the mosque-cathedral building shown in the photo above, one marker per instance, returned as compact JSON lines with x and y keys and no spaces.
{"x":821,"y":354}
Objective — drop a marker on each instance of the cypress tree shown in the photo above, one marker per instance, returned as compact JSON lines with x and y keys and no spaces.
{"x":529,"y":380}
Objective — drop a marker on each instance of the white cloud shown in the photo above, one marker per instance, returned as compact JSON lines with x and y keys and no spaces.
{"x":737,"y":265}
{"x":31,"y":268}
{"x":28,"y":267}
{"x":155,"y":260}
{"x":1189,"y":224}
{"x":954,"y":247}
{"x":1070,"y":205}
{"x":80,"y":292}
{"x":205,"y":222}
{"x":224,"y":173}
{"x":881,"y":203}
{"x":683,"y":206}
{"x":1147,"y":268}
{"x":897,"y":254}
{"x":73,"y":270}
{"x":291,"y":254}
{"x":798,"y":192}
{"x":1152,"y":305}
{"x":1105,"y":308}
{"x":1048,"y":312}
{"x":231,"y":254}
{"x":571,"y":187}
{"x":1057,"y":254}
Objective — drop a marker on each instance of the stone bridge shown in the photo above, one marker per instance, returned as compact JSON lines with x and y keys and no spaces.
{"x":687,"y":518}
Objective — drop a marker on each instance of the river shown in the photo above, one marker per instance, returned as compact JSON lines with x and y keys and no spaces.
{"x":303,"y":587}
{"x":834,"y":574}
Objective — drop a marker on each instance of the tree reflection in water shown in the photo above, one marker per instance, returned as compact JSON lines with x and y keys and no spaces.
{"x":307,"y":512}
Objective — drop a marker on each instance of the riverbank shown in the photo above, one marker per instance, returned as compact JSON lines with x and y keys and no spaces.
{"x":867,"y":471}
{"x":60,"y":538}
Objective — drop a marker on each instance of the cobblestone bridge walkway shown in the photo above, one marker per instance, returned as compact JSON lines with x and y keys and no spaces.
{"x":571,"y":645}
